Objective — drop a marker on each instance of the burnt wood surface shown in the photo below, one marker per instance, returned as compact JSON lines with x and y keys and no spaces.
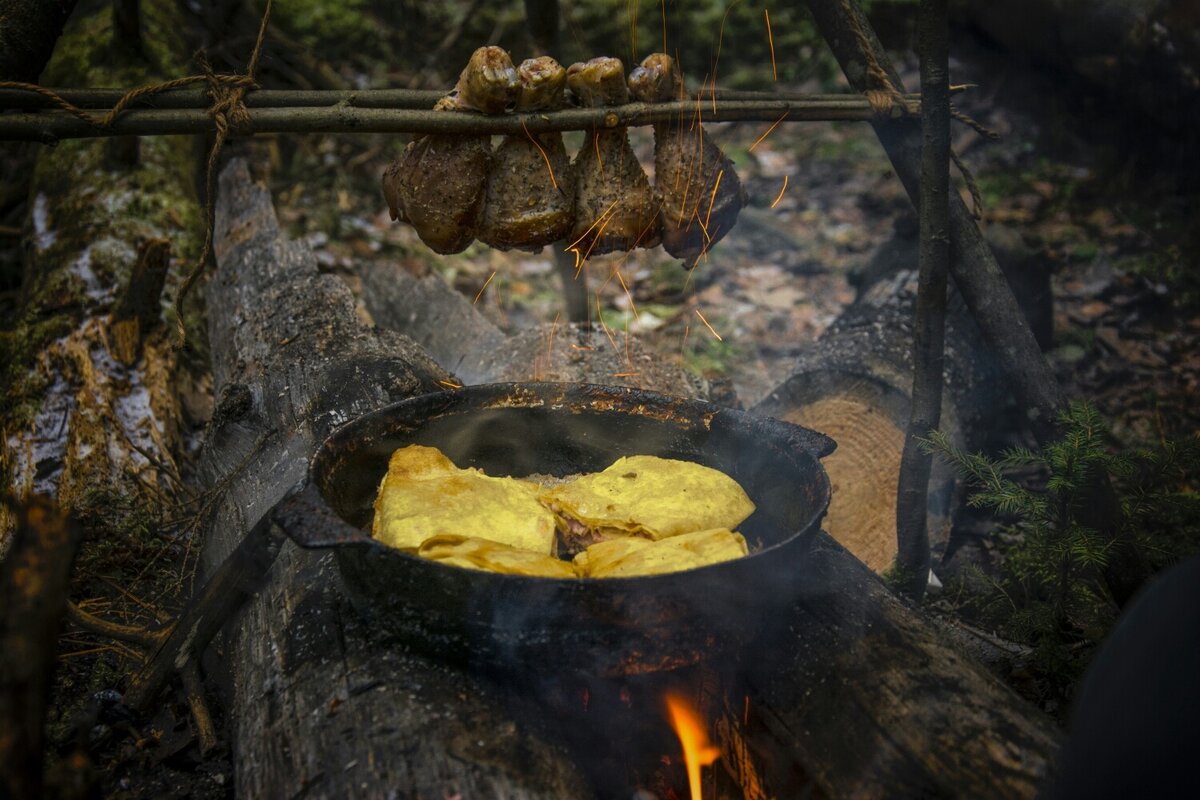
{"x":318,"y":704}
{"x":875,"y":701}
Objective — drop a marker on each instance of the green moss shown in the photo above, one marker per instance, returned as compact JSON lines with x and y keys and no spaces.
{"x":97,"y":213}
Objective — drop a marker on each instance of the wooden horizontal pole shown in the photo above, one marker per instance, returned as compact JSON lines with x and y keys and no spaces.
{"x":198,"y":97}
{"x":51,"y":126}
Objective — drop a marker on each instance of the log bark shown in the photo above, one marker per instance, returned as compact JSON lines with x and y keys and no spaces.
{"x":855,"y":384}
{"x":319,"y":704}
{"x":78,"y":421}
{"x":464,"y":341}
{"x":28,"y":31}
{"x":874,"y":702}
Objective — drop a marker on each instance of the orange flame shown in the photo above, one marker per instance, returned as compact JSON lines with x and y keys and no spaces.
{"x":698,"y":751}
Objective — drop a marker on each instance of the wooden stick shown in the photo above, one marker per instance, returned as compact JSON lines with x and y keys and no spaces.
{"x":912,"y":558}
{"x":421,"y":99}
{"x":51,"y":126}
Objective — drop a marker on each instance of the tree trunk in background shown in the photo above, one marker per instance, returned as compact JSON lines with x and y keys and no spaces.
{"x":80,"y":424}
{"x":28,"y":31}
{"x":318,"y":702}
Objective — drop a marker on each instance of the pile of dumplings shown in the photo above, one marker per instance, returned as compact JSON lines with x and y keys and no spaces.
{"x":527,"y":193}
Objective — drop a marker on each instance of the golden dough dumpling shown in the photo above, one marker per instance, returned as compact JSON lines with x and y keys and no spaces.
{"x":481,"y":554}
{"x":425,"y":495}
{"x":632,"y":555}
{"x":654,"y":497}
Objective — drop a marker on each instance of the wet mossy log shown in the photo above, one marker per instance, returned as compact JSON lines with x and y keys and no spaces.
{"x":85,"y":415}
{"x":318,"y":704}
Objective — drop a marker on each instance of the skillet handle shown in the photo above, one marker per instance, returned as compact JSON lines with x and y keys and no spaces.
{"x":311,"y":523}
{"x":795,"y":435}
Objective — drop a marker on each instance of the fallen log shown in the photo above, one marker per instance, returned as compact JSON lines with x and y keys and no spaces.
{"x":88,"y":415}
{"x":318,"y":703}
{"x":855,"y":384}
{"x":982,"y":284}
{"x":874,"y":701}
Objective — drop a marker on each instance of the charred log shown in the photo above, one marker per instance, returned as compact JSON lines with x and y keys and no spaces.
{"x":876,"y":703}
{"x":321,"y":704}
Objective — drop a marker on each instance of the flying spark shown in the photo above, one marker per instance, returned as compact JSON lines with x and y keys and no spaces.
{"x":781,"y":191}
{"x":774,"y":125}
{"x":710,"y":327}
{"x":712,"y":199}
{"x":483,"y":288}
{"x":451,"y":384}
{"x":771,"y":42}
{"x":545,"y":157}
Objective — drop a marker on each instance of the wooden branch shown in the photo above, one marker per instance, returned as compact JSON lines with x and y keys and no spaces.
{"x":421,"y":99}
{"x":34,"y":581}
{"x":140,"y":308}
{"x":51,"y":126}
{"x":912,"y":556}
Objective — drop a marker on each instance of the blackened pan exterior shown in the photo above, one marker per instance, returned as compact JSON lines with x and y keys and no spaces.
{"x":609,"y":626}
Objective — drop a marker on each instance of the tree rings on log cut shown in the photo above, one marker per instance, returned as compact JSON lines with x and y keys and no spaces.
{"x":862,"y":471}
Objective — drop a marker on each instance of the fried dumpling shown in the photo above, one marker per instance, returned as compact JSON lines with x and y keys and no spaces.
{"x":482,"y":554}
{"x":700,"y":191}
{"x":530,"y":199}
{"x":615,"y":208}
{"x":652,"y":497}
{"x":424,"y":495}
{"x":632,"y":555}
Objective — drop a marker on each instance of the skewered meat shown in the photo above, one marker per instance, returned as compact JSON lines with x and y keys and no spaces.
{"x":700,"y":191}
{"x":488,"y":83}
{"x":438,"y":184}
{"x":530,"y":199}
{"x":615,"y":208}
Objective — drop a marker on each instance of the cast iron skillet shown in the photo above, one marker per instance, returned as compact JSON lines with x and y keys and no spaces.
{"x":606,"y":627}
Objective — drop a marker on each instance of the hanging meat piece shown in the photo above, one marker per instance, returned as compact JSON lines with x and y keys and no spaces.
{"x":438,"y":184}
{"x":699,"y":189}
{"x":488,"y":83}
{"x":530,"y":199}
{"x":615,"y":208}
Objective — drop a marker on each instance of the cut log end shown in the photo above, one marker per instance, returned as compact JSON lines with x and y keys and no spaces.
{"x":862,"y":511}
